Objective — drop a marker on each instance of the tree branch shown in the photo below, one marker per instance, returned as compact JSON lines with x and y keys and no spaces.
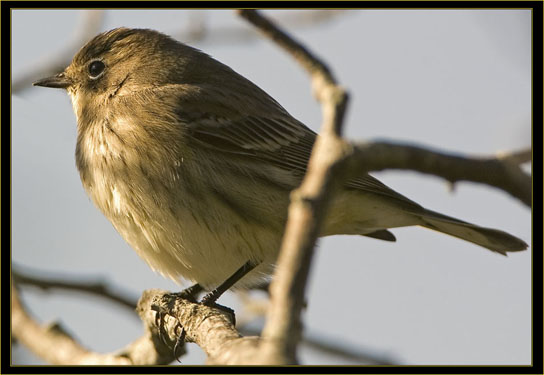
{"x":87,"y":286}
{"x":56,"y":346}
{"x":210,"y":328}
{"x":503,"y":172}
{"x":281,"y":332}
{"x":197,"y":30}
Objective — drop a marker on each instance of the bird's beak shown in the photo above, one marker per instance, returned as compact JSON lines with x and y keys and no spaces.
{"x":59,"y":81}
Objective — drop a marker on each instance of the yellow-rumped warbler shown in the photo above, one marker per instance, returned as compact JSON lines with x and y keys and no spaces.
{"x":193,"y":164}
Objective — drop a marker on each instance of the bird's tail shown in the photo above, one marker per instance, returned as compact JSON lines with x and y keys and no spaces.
{"x":492,"y":239}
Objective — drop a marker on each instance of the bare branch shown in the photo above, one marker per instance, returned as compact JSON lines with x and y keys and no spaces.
{"x":348,"y":351}
{"x":210,"y":328}
{"x":345,"y":351}
{"x":502,"y":172}
{"x":308,"y":203}
{"x":516,"y":158}
{"x":98,"y":288}
{"x":52,"y":343}
{"x":198,"y":30}
{"x":254,"y":308}
{"x":56,"y":346}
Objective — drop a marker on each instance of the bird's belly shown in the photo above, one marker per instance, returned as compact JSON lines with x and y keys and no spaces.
{"x":201,"y":239}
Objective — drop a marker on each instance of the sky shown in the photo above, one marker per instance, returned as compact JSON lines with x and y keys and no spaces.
{"x":452,"y":80}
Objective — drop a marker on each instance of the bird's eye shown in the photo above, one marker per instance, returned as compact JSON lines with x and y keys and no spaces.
{"x":96,"y":68}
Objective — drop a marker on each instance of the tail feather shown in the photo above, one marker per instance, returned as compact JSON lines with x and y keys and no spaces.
{"x":382,"y":235}
{"x":492,"y":239}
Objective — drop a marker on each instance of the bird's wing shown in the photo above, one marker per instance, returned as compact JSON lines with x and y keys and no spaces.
{"x":274,"y":137}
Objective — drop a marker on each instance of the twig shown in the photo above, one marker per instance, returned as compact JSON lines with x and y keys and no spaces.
{"x":197,"y":29}
{"x":517,"y":158}
{"x":327,"y":345}
{"x":347,"y":351}
{"x":502,"y":172}
{"x":92,"y":287}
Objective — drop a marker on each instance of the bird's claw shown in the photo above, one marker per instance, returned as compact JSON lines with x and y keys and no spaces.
{"x":179,"y":341}
{"x":190,"y":295}
{"x":159,"y":322}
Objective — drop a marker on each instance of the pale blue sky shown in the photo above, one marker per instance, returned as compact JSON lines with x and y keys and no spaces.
{"x":456,"y":80}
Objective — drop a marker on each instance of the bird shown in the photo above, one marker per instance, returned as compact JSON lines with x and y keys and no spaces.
{"x":193,"y":164}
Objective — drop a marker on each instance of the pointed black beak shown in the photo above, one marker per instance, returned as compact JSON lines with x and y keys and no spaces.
{"x":59,"y":81}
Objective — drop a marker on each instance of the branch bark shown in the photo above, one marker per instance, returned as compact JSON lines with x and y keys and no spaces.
{"x":210,"y":328}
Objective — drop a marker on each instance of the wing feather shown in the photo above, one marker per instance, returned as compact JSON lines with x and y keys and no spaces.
{"x":268,"y":134}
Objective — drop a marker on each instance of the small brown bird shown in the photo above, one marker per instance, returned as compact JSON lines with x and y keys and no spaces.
{"x":193,"y":164}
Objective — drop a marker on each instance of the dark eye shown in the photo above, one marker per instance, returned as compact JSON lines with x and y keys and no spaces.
{"x":96,"y":68}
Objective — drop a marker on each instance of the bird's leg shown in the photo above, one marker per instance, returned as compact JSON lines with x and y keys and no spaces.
{"x":191,"y":293}
{"x":210,"y":298}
